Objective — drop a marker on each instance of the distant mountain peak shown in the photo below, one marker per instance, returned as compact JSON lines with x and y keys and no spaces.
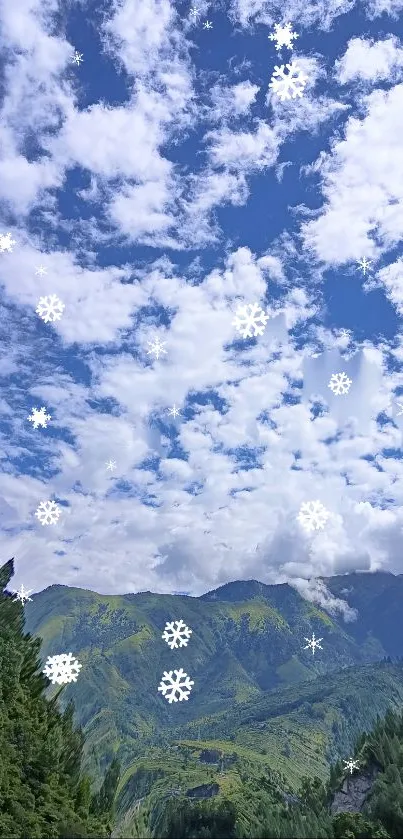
{"x":241,"y":590}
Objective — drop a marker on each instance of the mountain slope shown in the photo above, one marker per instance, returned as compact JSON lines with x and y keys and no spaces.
{"x":291,"y":712}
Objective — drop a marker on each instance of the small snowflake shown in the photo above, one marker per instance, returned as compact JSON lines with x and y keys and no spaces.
{"x":288,"y":84}
{"x":194,"y":12}
{"x":176,"y":688}
{"x":313,"y":643}
{"x":156,"y":347}
{"x":39,"y":417}
{"x":207,"y":24}
{"x":313,"y":515}
{"x":78,"y":58}
{"x":340,"y":384}
{"x":40,"y":270}
{"x":345,"y":333}
{"x":62,"y":669}
{"x":351,"y":765}
{"x":176,"y":634}
{"x":110,"y":465}
{"x":363,"y":265}
{"x":248,"y":318}
{"x":283,"y":35}
{"x":22,"y":594}
{"x":6,"y":242}
{"x":50,"y":308}
{"x":173,"y":412}
{"x":48,"y":512}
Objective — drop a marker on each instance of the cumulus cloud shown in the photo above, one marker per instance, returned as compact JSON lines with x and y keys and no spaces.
{"x":362,"y":185}
{"x":370,"y":61}
{"x":157,"y":211}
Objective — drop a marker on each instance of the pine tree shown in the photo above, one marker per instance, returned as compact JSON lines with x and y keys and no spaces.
{"x":42,"y":793}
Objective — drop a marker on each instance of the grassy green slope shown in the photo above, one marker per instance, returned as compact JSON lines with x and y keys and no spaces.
{"x":239,"y":649}
{"x":282,"y":736}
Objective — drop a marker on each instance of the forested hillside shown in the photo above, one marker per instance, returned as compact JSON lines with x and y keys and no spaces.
{"x":43,"y":793}
{"x":364,"y":804}
{"x":258,"y":750}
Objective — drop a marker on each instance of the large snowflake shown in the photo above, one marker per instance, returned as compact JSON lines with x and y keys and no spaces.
{"x":363,"y":265}
{"x":6,"y":242}
{"x":176,"y":634}
{"x":283,"y":35}
{"x":313,"y":643}
{"x":22,"y":594}
{"x":62,"y":669}
{"x":78,"y":58}
{"x":340,"y":384}
{"x":39,"y":417}
{"x":48,"y":512}
{"x":156,"y":348}
{"x":250,"y":320}
{"x":50,"y":308}
{"x":351,"y":764}
{"x":313,"y":515}
{"x":175,"y":688}
{"x":287,"y":85}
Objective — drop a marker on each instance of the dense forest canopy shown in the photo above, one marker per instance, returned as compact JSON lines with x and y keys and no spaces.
{"x":43,"y":793}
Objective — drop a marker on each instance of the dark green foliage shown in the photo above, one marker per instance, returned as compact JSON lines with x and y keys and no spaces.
{"x":103,"y":803}
{"x":201,"y":820}
{"x":42,"y":793}
{"x":355,"y":826}
{"x":260,"y":810}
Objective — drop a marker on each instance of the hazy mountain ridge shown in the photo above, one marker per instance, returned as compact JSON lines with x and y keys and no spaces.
{"x":292,"y":712}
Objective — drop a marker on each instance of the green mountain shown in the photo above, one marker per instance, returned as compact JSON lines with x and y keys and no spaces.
{"x":261,"y":706}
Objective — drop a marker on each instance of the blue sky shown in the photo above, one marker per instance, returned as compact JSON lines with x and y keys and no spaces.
{"x":162,"y":183}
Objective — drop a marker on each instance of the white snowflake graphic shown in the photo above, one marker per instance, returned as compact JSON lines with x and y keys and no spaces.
{"x":351,"y":765}
{"x":340,"y":384}
{"x":40,"y":270}
{"x":77,"y":58}
{"x":176,"y":634}
{"x":48,"y":512}
{"x":39,"y":417}
{"x":175,"y":688}
{"x":363,"y":265}
{"x":207,"y":24}
{"x":22,"y":594}
{"x":287,"y":85}
{"x":313,"y":515}
{"x":62,"y":669}
{"x":156,"y":348}
{"x":250,"y":317}
{"x":345,"y":333}
{"x":110,"y":465}
{"x":6,"y":242}
{"x":174,"y":411}
{"x":313,"y":643}
{"x":283,"y":35}
{"x":194,"y":12}
{"x":50,"y":308}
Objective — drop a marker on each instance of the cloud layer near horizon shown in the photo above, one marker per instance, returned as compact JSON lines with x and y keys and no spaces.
{"x":142,"y":181}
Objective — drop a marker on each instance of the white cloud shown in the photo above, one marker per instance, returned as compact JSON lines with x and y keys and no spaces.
{"x":391,"y":278}
{"x":322,"y":13}
{"x":212,"y":495}
{"x":362,"y":181}
{"x":375,"y":8}
{"x":244,"y":151}
{"x":229,"y":102}
{"x":370,"y":61}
